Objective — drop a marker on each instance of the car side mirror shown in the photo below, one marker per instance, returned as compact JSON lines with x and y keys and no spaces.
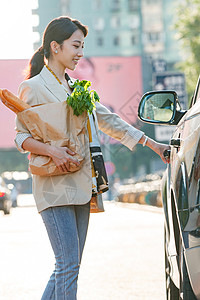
{"x":160,"y":107}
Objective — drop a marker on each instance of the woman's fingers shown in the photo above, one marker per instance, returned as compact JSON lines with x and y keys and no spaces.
{"x":162,"y":150}
{"x":166,"y":155}
{"x":64,"y":166}
{"x":74,"y":161}
{"x":62,"y":157}
{"x":69,"y":151}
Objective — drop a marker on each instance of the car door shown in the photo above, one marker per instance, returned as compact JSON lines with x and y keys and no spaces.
{"x":185,"y":190}
{"x":180,"y":190}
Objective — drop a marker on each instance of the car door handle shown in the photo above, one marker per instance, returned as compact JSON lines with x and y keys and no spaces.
{"x":175,"y":143}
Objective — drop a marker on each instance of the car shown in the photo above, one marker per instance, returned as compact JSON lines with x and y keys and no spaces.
{"x":5,"y":197}
{"x":180,"y":190}
{"x":14,"y":194}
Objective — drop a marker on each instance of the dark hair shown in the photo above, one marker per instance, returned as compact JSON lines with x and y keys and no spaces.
{"x":58,"y":30}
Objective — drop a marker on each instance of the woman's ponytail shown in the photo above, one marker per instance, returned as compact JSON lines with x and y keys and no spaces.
{"x":36,"y":63}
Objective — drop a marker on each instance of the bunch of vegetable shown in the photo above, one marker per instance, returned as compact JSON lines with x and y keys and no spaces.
{"x":82,"y":98}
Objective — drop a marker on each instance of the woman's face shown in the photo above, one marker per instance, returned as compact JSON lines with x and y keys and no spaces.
{"x":71,"y":51}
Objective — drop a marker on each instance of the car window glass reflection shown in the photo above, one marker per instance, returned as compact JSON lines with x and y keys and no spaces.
{"x":159,"y":107}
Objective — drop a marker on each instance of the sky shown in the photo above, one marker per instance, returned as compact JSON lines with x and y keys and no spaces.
{"x":16,"y":36}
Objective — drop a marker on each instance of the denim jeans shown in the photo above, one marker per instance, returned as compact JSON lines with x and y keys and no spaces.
{"x":67,"y":229}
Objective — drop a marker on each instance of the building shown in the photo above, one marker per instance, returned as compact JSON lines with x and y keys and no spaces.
{"x":121,"y":28}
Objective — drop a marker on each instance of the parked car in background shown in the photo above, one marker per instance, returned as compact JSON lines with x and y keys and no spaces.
{"x":5,"y":197}
{"x":180,"y":190}
{"x":14,"y":194}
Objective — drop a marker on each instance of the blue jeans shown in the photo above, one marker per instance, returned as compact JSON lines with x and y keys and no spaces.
{"x":67,"y":229}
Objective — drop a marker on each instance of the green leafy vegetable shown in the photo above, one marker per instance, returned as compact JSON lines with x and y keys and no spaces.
{"x":82,"y":99}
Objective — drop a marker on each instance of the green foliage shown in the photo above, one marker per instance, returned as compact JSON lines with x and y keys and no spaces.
{"x":188,"y":27}
{"x":82,"y":99}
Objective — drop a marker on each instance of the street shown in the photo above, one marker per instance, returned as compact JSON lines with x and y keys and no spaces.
{"x":123,"y":258}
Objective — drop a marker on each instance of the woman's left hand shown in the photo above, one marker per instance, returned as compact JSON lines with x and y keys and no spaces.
{"x":160,"y":149}
{"x":156,"y":147}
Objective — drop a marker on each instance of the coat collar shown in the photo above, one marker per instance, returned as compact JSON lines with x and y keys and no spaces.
{"x":53,"y":85}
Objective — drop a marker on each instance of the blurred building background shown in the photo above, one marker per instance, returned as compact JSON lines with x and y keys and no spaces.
{"x":131,"y":48}
{"x":121,"y":28}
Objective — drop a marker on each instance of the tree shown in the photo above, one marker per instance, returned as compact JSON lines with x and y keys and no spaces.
{"x":188,"y":27}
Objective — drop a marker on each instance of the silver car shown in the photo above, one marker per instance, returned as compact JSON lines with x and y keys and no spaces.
{"x":180,"y":190}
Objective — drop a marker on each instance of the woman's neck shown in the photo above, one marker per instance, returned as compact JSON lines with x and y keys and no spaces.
{"x":58,"y":70}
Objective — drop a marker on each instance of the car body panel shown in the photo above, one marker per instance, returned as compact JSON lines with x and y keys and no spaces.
{"x":171,"y":249}
{"x":188,"y":216}
{"x":192,"y":258}
{"x":181,"y":194}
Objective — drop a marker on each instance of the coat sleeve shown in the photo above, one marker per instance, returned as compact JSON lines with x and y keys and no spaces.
{"x":111,"y":124}
{"x":28,"y":94}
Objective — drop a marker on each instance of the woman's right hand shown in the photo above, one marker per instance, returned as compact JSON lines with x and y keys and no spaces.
{"x":62,"y":156}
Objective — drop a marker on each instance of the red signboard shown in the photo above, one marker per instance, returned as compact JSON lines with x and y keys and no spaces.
{"x":11,"y":74}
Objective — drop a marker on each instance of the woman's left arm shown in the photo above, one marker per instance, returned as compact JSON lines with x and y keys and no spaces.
{"x":111,"y":124}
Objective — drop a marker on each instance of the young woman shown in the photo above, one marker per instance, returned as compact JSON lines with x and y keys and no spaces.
{"x":64,"y":201}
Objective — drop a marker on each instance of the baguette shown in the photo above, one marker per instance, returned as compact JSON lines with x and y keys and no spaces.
{"x":4,"y":101}
{"x":13,"y":102}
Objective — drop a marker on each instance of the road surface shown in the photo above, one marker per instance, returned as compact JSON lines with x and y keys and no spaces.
{"x":123,"y":257}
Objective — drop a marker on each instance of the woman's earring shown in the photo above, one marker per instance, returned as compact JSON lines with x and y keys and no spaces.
{"x":56,"y":51}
